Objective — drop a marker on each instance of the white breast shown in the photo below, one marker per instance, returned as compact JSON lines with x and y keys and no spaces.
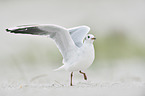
{"x":82,"y":58}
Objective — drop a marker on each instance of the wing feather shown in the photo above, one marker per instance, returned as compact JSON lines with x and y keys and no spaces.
{"x":59,"y":34}
{"x":78,"y":34}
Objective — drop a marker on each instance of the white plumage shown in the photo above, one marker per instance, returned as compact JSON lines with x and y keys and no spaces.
{"x":78,"y":54}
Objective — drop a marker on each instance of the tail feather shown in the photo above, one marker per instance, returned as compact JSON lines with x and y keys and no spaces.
{"x":60,"y":68}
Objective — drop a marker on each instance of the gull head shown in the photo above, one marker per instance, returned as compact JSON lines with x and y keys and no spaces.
{"x":90,"y":38}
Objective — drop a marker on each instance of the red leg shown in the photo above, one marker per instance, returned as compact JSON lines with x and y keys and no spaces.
{"x":71,"y":79}
{"x":85,"y":77}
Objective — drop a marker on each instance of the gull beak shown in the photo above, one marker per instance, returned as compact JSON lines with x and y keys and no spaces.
{"x":93,"y":38}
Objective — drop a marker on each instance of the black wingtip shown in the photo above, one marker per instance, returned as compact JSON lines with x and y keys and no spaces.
{"x":8,"y":30}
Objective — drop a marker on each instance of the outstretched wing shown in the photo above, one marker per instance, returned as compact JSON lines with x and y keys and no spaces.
{"x":59,"y":34}
{"x":78,"y":34}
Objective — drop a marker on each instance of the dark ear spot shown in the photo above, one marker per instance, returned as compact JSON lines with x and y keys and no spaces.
{"x":88,"y":36}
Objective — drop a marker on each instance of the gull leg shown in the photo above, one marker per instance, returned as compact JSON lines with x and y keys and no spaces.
{"x":71,"y":79}
{"x":85,"y":77}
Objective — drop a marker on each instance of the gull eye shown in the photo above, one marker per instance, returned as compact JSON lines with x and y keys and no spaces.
{"x":88,"y":36}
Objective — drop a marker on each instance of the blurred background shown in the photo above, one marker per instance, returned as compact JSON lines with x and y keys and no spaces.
{"x":118,"y":25}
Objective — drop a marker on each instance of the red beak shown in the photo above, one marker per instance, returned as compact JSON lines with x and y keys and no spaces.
{"x":93,"y":38}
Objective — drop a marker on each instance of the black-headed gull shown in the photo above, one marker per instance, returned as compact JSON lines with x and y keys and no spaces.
{"x":75,"y":44}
